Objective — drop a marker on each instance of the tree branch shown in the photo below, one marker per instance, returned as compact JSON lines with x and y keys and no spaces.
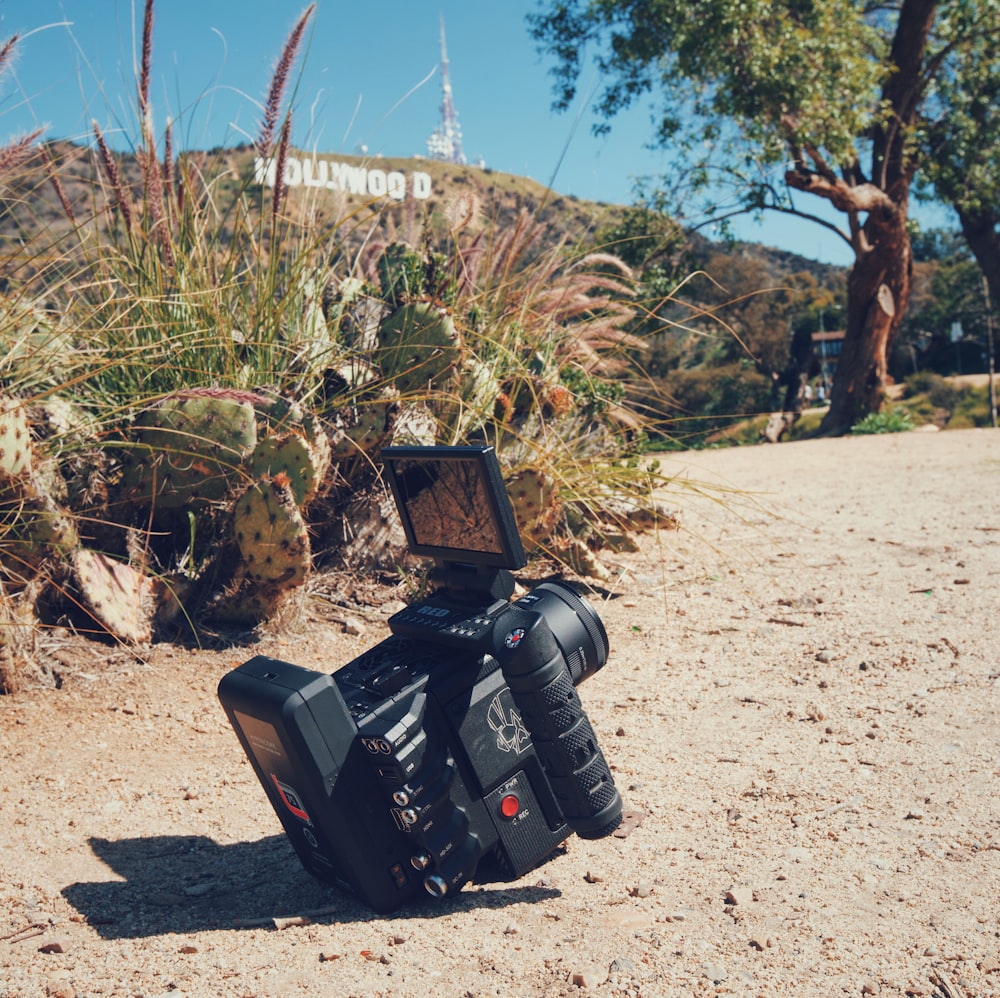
{"x":863,"y":197}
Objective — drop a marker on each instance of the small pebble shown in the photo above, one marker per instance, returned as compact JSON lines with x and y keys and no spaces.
{"x":588,"y":976}
{"x":58,"y":944}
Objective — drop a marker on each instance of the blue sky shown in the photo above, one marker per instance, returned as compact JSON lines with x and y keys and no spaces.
{"x":370,"y":77}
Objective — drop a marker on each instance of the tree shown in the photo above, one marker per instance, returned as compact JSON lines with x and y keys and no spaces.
{"x":830,"y":94}
{"x":962,"y":149}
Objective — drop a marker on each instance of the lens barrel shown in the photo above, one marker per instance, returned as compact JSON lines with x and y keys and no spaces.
{"x":574,"y":623}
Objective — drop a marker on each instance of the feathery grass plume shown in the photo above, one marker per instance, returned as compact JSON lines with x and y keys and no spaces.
{"x":168,"y":159}
{"x":155,"y":203}
{"x":280,"y":187}
{"x":15,"y":153}
{"x":144,"y":71}
{"x":7,"y":50}
{"x":118,"y":189}
{"x":279,"y":81}
{"x":57,"y":184}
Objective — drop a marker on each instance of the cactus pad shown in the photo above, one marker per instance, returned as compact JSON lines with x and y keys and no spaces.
{"x":271,"y":534}
{"x":365,"y":428}
{"x":292,"y":455}
{"x":418,"y":343}
{"x":537,"y":507}
{"x":15,"y":441}
{"x":115,"y":596}
{"x":189,"y":448}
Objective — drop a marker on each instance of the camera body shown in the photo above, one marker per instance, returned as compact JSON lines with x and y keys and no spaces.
{"x":458,"y":743}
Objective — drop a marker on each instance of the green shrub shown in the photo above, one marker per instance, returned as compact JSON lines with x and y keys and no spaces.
{"x":972,"y":409}
{"x":894,"y":420}
{"x":942,"y":393}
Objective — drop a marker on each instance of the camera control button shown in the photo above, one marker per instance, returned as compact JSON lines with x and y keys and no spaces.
{"x":398,"y":873}
{"x":509,"y":806}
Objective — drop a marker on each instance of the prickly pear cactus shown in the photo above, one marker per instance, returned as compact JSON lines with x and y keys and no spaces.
{"x":418,"y":343}
{"x":117,"y":597}
{"x":189,"y":449}
{"x":15,"y":442}
{"x":275,"y":413}
{"x":271,"y":533}
{"x":301,"y":462}
{"x":33,"y":525}
{"x":415,"y":426}
{"x":401,"y":272}
{"x":537,"y":507}
{"x":364,"y":428}
{"x":43,"y":528}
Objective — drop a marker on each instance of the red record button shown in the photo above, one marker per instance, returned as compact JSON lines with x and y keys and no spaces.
{"x":509,"y":805}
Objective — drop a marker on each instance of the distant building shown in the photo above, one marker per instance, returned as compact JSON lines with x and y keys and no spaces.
{"x":827,"y":347}
{"x":445,"y":143}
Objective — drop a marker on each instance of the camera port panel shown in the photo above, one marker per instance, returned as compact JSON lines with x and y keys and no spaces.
{"x":525,"y":838}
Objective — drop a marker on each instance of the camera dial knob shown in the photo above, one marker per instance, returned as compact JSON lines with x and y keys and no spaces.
{"x":420,"y":861}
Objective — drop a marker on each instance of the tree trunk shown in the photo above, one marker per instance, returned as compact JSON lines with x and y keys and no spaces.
{"x":980,"y":231}
{"x":878,"y":292}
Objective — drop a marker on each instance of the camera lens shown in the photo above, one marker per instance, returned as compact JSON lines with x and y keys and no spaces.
{"x":575,"y":625}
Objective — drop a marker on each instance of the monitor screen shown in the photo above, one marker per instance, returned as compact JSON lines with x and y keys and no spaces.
{"x":454,"y":505}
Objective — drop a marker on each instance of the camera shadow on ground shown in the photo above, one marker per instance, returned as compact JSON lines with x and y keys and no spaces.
{"x":183,"y":883}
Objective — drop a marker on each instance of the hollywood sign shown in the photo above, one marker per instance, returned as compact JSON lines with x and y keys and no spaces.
{"x":334,"y":176}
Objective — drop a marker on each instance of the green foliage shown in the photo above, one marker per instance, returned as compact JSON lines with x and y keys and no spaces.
{"x":706,"y":400}
{"x":971,"y":409}
{"x":941,"y":392}
{"x":845,"y":101}
{"x":894,"y":420}
{"x":812,"y":69}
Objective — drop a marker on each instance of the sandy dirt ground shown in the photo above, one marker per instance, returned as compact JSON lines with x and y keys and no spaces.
{"x":800,"y":709}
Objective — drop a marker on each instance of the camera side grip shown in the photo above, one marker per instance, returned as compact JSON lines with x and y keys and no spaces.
{"x":539,"y":680}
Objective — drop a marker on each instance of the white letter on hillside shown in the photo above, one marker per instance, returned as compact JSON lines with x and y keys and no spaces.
{"x":293,"y":172}
{"x":311,"y":166}
{"x":264,"y":171}
{"x":397,"y":186}
{"x":422,"y":186}
{"x":376,"y":183}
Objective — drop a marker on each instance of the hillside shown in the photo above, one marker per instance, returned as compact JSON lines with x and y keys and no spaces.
{"x":346,"y":195}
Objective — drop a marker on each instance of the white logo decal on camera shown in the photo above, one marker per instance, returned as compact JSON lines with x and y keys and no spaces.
{"x":514,"y":637}
{"x":512,"y":736}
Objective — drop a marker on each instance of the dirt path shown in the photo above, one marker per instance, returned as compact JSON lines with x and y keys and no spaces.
{"x":801,"y":705}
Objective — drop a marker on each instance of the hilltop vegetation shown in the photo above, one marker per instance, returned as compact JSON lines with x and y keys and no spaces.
{"x":34,"y":221}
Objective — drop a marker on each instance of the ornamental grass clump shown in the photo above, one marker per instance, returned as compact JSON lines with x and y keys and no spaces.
{"x":233,"y":361}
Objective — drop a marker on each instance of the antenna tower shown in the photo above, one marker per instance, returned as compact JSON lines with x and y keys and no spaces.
{"x":445,"y":142}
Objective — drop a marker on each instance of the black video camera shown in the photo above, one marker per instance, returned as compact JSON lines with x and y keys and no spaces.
{"x":458,"y":741}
